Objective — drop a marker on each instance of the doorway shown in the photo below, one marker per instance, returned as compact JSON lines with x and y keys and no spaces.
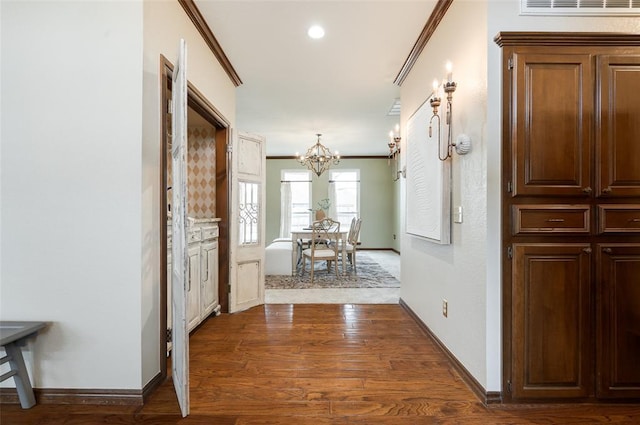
{"x":204,"y":113}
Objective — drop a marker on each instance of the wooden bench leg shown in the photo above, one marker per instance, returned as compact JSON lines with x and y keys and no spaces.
{"x":21,"y":376}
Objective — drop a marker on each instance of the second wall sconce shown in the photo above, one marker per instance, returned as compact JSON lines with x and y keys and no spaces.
{"x":462,"y":144}
{"x":394,"y":152}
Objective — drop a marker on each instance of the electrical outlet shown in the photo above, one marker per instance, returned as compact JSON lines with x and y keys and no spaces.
{"x":394,"y":237}
{"x":445,"y":308}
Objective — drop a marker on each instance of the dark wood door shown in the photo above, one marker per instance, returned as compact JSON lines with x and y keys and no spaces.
{"x":552,"y":124}
{"x":618,"y":324}
{"x":618,"y":131}
{"x":551,"y":322}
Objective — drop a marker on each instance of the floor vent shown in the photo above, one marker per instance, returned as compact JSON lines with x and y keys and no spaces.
{"x":580,"y":7}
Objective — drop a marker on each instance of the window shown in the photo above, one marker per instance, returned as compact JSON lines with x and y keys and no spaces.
{"x":249,"y":209}
{"x":295,"y":199}
{"x":344,"y":193}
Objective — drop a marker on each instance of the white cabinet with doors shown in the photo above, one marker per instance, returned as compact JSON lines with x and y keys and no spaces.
{"x":193,"y":283}
{"x":202,"y":284}
{"x":209,"y":300}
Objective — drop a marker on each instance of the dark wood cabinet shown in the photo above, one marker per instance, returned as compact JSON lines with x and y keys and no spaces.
{"x":551,"y":301}
{"x":618,"y":126}
{"x":571,"y":216}
{"x":618,"y":322}
{"x":552,"y":124}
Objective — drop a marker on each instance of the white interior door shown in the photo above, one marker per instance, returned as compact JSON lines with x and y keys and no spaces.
{"x":179,"y":248}
{"x":246,"y":277}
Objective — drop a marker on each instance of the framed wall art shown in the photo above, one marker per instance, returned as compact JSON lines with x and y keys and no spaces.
{"x":428,"y":180}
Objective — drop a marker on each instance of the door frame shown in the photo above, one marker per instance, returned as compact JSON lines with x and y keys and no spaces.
{"x":199,"y":103}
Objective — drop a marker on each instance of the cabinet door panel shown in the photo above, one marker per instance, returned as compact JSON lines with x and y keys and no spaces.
{"x":551,"y":335}
{"x":209,"y":293}
{"x":618,"y":338}
{"x":617,"y":136}
{"x":552,"y":125}
{"x":193,"y":287}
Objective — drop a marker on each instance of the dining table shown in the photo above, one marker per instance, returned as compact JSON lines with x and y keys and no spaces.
{"x":307,"y":233}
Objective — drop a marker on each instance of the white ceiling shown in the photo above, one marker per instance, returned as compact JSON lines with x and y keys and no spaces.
{"x":340,"y":86}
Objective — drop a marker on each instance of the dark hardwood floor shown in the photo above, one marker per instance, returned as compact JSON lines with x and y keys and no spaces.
{"x":317,"y":365}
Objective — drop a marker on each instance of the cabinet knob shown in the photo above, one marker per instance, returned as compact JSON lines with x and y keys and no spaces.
{"x":606,"y":190}
{"x":587,"y":250}
{"x":587,"y":189}
{"x":607,"y":250}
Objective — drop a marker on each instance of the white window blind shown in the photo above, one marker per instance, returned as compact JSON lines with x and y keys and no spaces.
{"x":346,"y":193}
{"x":298,"y":202}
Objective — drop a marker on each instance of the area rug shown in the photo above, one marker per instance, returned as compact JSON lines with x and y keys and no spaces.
{"x":369,"y":275}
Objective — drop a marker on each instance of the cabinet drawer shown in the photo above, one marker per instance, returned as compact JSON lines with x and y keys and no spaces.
{"x":194,"y":235}
{"x":530,"y":219}
{"x":619,"y":218}
{"x":210,"y":232}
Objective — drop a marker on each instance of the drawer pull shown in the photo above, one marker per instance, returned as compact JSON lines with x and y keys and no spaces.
{"x":555,"y":220}
{"x":634,"y":220}
{"x":606,"y":190}
{"x":587,"y":250}
{"x":587,"y":189}
{"x":607,"y":250}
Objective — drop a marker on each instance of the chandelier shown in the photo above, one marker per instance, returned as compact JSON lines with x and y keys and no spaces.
{"x":318,"y":158}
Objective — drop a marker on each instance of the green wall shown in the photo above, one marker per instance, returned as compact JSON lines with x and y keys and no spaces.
{"x":377,"y":198}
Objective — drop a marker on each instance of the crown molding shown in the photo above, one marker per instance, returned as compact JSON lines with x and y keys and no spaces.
{"x":341,"y":157}
{"x":201,"y":25}
{"x":508,"y":38}
{"x":429,"y":28}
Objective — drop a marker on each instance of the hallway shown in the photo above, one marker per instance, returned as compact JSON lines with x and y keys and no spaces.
{"x":320,"y":365}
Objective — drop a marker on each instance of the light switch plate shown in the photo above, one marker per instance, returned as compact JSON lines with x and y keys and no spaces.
{"x":457,"y":216}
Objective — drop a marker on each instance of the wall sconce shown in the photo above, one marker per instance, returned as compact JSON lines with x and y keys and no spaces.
{"x":462,"y":144}
{"x":394,"y":152}
{"x":394,"y":143}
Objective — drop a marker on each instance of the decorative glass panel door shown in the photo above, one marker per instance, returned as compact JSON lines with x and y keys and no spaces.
{"x":247,"y":222}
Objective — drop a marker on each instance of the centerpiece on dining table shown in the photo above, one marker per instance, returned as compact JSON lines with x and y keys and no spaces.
{"x":320,"y":211}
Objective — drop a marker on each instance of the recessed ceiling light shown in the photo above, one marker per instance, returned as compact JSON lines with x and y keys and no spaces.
{"x":316,"y":31}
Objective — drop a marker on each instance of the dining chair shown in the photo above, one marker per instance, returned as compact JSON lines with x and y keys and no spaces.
{"x":302,"y":245}
{"x":352,"y":242}
{"x":323,"y":247}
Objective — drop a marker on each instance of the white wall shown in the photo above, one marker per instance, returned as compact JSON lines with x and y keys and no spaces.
{"x":165,"y":22}
{"x":455,"y":272}
{"x":80,"y":175}
{"x":467,"y":273}
{"x":71,"y":167}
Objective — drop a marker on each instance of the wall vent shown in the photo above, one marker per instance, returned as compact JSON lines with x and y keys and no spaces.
{"x":580,"y":7}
